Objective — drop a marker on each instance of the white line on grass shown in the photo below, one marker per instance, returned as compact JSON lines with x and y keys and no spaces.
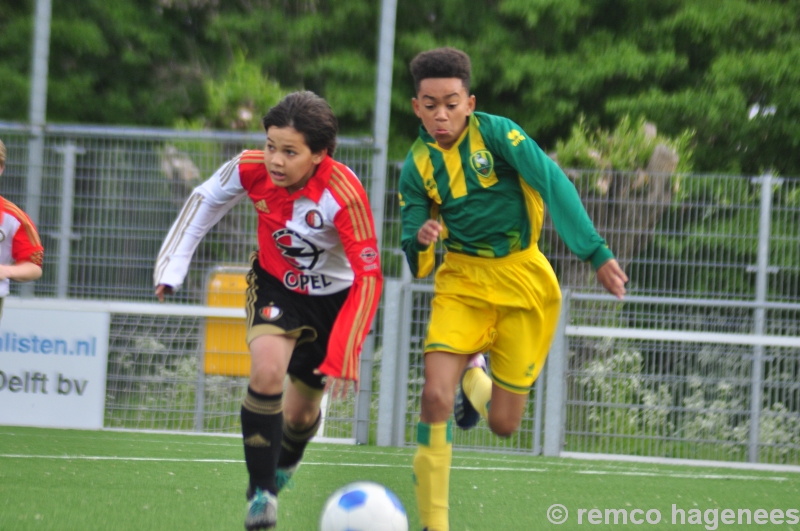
{"x":672,"y":461}
{"x":381,"y":465}
{"x":239,"y":461}
{"x":606,"y":463}
{"x":673,"y":475}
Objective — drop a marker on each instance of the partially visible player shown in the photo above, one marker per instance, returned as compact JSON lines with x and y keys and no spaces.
{"x":481,"y":183}
{"x":21,"y":251}
{"x":312,"y":291}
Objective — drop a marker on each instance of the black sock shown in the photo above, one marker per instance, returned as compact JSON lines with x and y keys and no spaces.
{"x":262,"y":421}
{"x":294,"y":443}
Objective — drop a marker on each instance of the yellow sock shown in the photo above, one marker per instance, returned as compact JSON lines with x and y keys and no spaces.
{"x":478,"y":387}
{"x":432,"y":474}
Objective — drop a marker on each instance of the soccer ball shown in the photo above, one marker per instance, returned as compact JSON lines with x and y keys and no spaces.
{"x":363,"y":506}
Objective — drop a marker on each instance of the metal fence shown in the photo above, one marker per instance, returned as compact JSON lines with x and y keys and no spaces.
{"x":698,"y":248}
{"x":687,"y":391}
{"x":109,"y":195}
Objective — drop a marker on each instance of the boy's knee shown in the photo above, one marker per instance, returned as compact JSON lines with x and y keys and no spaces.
{"x":503,"y":427}
{"x":300,"y":420}
{"x":437,"y":398}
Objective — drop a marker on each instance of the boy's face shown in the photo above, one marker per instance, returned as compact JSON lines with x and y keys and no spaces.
{"x":289,"y":159}
{"x":443,"y":105}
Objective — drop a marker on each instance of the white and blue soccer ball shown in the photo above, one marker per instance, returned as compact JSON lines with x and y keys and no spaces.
{"x":363,"y":506}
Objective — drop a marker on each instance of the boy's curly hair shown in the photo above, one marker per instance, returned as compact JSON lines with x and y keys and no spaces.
{"x":441,"y":63}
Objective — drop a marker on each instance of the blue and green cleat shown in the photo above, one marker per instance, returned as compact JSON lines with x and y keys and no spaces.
{"x":262,"y":511}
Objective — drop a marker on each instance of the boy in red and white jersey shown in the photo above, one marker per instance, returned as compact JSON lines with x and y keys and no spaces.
{"x":313,"y":287}
{"x":21,"y":251}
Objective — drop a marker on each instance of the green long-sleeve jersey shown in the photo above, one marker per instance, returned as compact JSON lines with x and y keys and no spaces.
{"x":489,"y":190}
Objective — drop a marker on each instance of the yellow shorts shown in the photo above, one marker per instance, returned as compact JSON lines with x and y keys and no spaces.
{"x":509,"y":306}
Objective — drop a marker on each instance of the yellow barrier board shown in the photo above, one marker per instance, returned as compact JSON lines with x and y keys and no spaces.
{"x":226,"y":350}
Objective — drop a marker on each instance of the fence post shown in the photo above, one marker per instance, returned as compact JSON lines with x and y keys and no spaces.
{"x":538,"y":411}
{"x":762,"y":269}
{"x":383,"y":97}
{"x":37,"y":116}
{"x":401,"y":377}
{"x":364,"y":397}
{"x":65,"y":235}
{"x":37,"y":110}
{"x":555,"y":414}
{"x":392,"y":309}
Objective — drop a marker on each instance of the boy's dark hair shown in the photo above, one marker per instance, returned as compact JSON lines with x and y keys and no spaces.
{"x":441,"y":63}
{"x":310,"y":115}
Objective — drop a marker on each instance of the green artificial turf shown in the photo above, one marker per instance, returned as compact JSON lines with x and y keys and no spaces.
{"x":97,"y":480}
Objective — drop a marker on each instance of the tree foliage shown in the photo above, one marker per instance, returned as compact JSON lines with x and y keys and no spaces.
{"x":628,"y":147}
{"x":682,"y":64}
{"x":239,"y":98}
{"x":724,"y":69}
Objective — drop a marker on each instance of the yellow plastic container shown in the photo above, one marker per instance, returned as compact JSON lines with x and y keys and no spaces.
{"x":226,"y":350}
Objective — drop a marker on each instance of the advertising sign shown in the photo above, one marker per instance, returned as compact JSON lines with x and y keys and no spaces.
{"x":53,"y":368}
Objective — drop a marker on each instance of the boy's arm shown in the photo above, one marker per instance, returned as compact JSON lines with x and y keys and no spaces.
{"x":540,"y":172}
{"x":416,"y":208}
{"x":26,"y":248}
{"x":204,"y":208}
{"x":21,"y":272}
{"x":357,"y":232}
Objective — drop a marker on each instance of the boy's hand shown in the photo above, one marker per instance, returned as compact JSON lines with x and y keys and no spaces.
{"x":613,"y":278}
{"x":429,"y":232}
{"x":338,"y":386}
{"x":162,"y":290}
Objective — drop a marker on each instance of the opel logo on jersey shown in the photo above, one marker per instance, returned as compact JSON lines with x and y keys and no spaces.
{"x":2,"y":236}
{"x":482,"y":162}
{"x":298,"y":251}
{"x":314,"y":219}
{"x":271,"y":313}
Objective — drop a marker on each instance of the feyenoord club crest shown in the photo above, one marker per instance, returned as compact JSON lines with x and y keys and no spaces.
{"x":271,"y":313}
{"x":314,"y":219}
{"x":482,"y":162}
{"x":368,"y":255}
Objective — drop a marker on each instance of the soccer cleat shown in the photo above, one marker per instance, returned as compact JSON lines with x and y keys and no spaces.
{"x":262,"y":511}
{"x":283,"y":477}
{"x":464,"y":412}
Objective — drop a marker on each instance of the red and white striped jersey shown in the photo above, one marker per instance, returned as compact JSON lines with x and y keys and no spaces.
{"x":19,"y":241}
{"x":318,"y":240}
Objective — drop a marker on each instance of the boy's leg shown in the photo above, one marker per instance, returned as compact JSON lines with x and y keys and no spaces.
{"x":518,"y":355}
{"x":301,"y":420}
{"x":262,"y":426}
{"x":507,"y":407}
{"x":506,"y":411}
{"x":434,"y":438}
{"x":262,"y":417}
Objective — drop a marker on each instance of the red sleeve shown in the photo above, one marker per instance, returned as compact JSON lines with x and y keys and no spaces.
{"x":357,"y":232}
{"x":251,"y":167}
{"x":26,"y":245}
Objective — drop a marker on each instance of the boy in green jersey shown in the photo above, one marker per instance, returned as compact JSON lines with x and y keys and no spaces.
{"x":481,"y":183}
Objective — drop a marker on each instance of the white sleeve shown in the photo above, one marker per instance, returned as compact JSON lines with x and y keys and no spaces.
{"x":204,"y":208}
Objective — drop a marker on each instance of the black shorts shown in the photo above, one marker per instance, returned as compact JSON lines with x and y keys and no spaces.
{"x":273,"y":309}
